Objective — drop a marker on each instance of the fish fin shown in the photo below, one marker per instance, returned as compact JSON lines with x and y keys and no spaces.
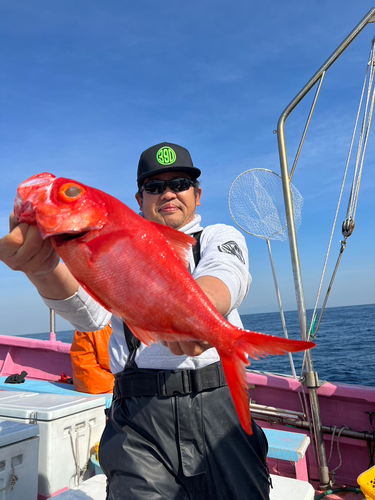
{"x":145,"y":336}
{"x":87,"y":252}
{"x":148,"y":337}
{"x":255,"y":345}
{"x":235,"y":375}
{"x":180,"y":242}
{"x":258,"y":345}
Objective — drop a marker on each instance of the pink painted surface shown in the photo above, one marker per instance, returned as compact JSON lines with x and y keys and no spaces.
{"x":301,"y":469}
{"x":340,"y":405}
{"x":41,"y":359}
{"x":55,"y":494}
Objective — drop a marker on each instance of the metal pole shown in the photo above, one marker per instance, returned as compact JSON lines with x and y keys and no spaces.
{"x":311,"y":376}
{"x":280,"y":307}
{"x":52,"y":322}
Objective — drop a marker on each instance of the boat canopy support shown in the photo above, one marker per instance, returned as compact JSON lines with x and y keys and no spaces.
{"x":286,"y":178}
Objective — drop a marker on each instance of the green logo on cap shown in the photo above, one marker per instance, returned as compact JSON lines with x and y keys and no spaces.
{"x":166,"y":156}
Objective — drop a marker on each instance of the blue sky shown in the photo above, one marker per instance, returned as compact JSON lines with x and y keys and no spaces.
{"x":86,"y":86}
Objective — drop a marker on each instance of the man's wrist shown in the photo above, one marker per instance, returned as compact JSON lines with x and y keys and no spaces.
{"x":57,"y":284}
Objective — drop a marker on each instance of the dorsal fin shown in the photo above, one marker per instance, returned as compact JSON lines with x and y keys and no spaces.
{"x":180,"y":242}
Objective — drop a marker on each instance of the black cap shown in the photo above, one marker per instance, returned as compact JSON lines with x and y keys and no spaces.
{"x":165,"y":157}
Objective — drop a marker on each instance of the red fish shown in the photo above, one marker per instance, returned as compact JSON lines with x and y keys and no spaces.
{"x":138,"y":270}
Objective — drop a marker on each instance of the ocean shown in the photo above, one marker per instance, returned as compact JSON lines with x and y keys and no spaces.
{"x":345,"y":343}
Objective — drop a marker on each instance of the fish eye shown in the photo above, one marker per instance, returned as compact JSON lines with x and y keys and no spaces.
{"x":71,"y":192}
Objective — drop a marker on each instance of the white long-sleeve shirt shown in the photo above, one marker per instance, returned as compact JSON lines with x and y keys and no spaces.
{"x":223,"y":254}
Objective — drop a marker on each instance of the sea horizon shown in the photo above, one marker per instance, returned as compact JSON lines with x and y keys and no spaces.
{"x":288,"y":311}
{"x":345,"y":342}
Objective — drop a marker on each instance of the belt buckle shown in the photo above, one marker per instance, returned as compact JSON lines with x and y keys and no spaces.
{"x":171,"y":383}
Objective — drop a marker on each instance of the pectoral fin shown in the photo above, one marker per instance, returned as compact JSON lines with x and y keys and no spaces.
{"x":180,"y":242}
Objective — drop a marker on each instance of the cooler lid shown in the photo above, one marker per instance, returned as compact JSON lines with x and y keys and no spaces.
{"x":13,"y":432}
{"x":46,"y":406}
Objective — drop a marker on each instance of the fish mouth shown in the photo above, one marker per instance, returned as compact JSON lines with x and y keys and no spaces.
{"x":66,"y":237}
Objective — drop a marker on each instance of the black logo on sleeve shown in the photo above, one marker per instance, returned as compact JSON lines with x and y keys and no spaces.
{"x":231,"y":247}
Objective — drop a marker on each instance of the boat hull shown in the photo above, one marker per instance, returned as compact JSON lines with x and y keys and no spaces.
{"x":346,"y":412}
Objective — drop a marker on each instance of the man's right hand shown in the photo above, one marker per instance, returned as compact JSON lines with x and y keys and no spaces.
{"x":23,"y":249}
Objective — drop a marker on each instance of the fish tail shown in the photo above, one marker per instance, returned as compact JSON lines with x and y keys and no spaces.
{"x":234,"y":360}
{"x":234,"y":370}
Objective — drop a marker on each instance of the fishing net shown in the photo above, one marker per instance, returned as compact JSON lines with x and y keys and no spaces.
{"x":256,"y":204}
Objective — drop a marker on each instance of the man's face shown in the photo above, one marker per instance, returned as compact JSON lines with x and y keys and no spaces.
{"x":169,"y":208}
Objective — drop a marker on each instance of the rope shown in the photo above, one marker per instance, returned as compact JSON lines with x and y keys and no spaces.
{"x":12,"y":480}
{"x":332,"y":441}
{"x":79,"y":472}
{"x":333,"y":472}
{"x":352,"y":208}
{"x":371,"y":449}
{"x":349,"y":224}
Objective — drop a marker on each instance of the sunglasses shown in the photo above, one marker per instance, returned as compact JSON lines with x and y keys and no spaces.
{"x":158,"y":186}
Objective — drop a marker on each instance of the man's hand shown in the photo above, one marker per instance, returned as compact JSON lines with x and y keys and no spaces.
{"x":187,"y":348}
{"x":219,"y":295}
{"x":23,"y":249}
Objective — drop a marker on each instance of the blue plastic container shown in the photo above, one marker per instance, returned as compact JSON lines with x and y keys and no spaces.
{"x":96,"y":465}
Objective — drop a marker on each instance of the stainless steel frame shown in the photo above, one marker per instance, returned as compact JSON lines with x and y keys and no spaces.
{"x":311,"y":375}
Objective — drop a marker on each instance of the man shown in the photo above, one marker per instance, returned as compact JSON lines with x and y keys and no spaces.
{"x":172,"y":430}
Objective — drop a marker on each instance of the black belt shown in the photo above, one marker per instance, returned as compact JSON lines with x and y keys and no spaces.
{"x":168,"y":383}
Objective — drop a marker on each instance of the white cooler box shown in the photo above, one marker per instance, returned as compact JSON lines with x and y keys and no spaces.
{"x":19,"y":445}
{"x":286,"y":488}
{"x":69,"y":427}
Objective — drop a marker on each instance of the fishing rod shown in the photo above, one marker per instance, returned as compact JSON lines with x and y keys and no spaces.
{"x":311,"y":377}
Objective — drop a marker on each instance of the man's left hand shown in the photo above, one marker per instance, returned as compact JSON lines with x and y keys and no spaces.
{"x":187,"y":348}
